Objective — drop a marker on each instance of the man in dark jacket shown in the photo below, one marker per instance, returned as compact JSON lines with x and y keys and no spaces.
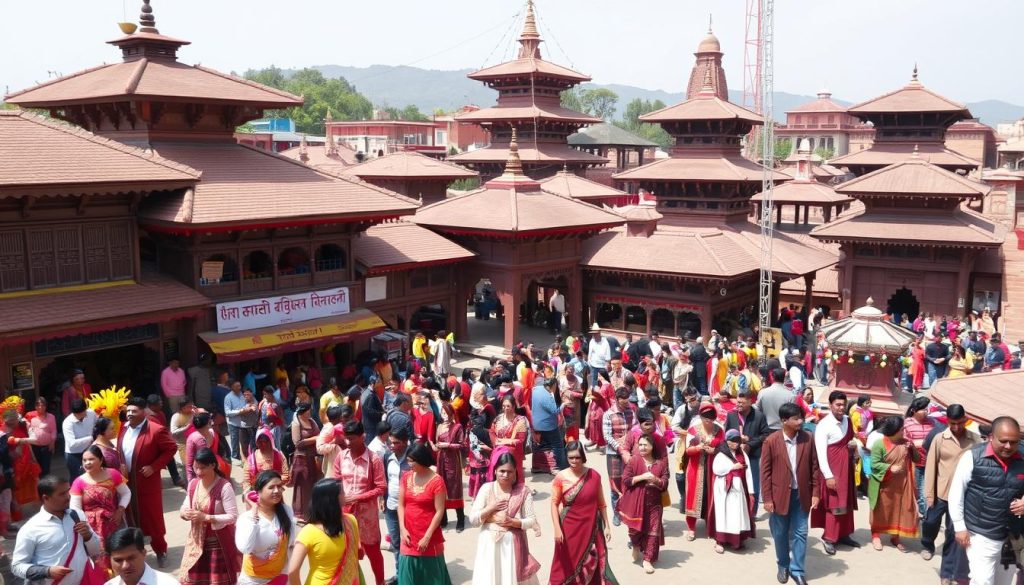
{"x":699,"y":359}
{"x":753,"y":428}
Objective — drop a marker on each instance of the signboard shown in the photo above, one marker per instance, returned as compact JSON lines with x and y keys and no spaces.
{"x":23,"y":378}
{"x":771,"y":341}
{"x":376,"y":288}
{"x":271,"y":311}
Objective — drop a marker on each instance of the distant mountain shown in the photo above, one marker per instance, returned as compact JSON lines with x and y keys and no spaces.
{"x":430,"y":89}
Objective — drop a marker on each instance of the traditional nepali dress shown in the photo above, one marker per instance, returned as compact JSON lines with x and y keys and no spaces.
{"x":26,"y":470}
{"x":110,"y":457}
{"x":516,"y":430}
{"x":730,"y":513}
{"x":99,"y":502}
{"x":582,"y":556}
{"x":571,"y":395}
{"x":640,"y":506}
{"x":424,"y":425}
{"x":265,"y":548}
{"x":479,"y":461}
{"x":698,"y":471}
{"x":601,"y":400}
{"x":210,"y":556}
{"x":257,"y":462}
{"x":503,"y":554}
{"x":835,"y":512}
{"x":304,"y":472}
{"x":893,"y":495}
{"x":449,"y":462}
{"x":427,"y":567}
{"x":332,"y":560}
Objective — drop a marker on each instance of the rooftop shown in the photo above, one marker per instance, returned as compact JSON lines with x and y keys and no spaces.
{"x":568,"y":184}
{"x":804,"y":192}
{"x":605,"y":134}
{"x":913,"y":97}
{"x":962,"y":228}
{"x":531,"y":111}
{"x":397,"y":245}
{"x":538,"y":153}
{"x":984,"y":396}
{"x":702,"y":107}
{"x":913,"y":176}
{"x":698,"y":166}
{"x":823,"y":104}
{"x":38,"y":152}
{"x":409,"y":165}
{"x":886,"y":153}
{"x":865,"y":330}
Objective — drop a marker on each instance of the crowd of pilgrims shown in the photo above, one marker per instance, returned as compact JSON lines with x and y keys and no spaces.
{"x":412,"y":441}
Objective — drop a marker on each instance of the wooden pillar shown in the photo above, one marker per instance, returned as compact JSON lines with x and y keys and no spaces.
{"x":705,"y":321}
{"x":458,"y":308}
{"x":574,"y":301}
{"x":808,"y":292}
{"x":963,"y":281}
{"x":675,"y":323}
{"x":807,"y":213}
{"x":622,"y":317}
{"x":827,"y":212}
{"x":647,"y":313}
{"x":778,"y":215}
{"x":640,"y":157}
{"x":511,"y":300}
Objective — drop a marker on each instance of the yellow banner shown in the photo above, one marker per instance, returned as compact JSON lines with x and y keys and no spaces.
{"x":771,"y":341}
{"x":267,"y":341}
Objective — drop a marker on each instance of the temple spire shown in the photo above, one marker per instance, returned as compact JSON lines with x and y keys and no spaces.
{"x":708,"y":89}
{"x":709,"y":23}
{"x":147,"y":21}
{"x":514,"y":165}
{"x":529,"y":40}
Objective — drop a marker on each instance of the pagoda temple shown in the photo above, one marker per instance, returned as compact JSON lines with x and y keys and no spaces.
{"x":529,"y":101}
{"x":914,"y":245}
{"x":523,"y":238}
{"x":694,"y":264}
{"x":908,"y":119}
{"x":253,"y":227}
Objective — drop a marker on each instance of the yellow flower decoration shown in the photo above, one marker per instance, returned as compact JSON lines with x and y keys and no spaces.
{"x":13,"y":403}
{"x":109,"y":402}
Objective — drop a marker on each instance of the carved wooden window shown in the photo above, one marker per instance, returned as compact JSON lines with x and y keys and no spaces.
{"x":12,"y":261}
{"x":122,"y":261}
{"x":41,"y":260}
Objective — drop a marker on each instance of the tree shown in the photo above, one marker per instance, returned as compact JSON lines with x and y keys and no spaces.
{"x":570,"y":99}
{"x":826,"y":154}
{"x":631,"y":122}
{"x":410,"y":112}
{"x":783,"y":148}
{"x":599,"y":102}
{"x":319,"y":93}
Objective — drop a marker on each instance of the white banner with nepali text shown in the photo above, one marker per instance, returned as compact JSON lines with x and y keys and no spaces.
{"x":271,"y":311}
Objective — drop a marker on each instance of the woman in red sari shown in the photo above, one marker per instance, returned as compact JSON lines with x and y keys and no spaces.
{"x":101,"y":496}
{"x":580,"y":518}
{"x":701,"y":441}
{"x":451,"y":438}
{"x":917,"y":365}
{"x":644,"y":479}
{"x":599,"y":399}
{"x":509,"y":430}
{"x":210,"y":556}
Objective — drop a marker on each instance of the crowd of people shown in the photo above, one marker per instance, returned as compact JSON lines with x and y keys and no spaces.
{"x":733,"y":432}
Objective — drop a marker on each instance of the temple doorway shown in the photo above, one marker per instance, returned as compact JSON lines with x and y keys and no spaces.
{"x":903,"y":301}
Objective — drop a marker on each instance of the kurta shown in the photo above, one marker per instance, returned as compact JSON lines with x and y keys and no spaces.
{"x":835,"y":512}
{"x":515,"y":430}
{"x":729,"y":520}
{"x":503,"y":555}
{"x":892,"y":494}
{"x":210,"y":556}
{"x":364,"y":481}
{"x":427,"y":567}
{"x":449,"y":462}
{"x":640,"y":506}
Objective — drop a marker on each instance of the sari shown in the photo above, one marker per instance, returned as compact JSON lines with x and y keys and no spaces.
{"x":210,"y":556}
{"x":582,"y":556}
{"x":893,"y":495}
{"x":449,"y":462}
{"x":111,"y":460}
{"x":640,"y":506}
{"x":516,"y":430}
{"x":698,"y":470}
{"x":99,"y":502}
{"x":600,"y":401}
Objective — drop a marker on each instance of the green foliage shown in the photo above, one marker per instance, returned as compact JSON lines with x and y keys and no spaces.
{"x":410,"y":112}
{"x":825,"y":153}
{"x":452,"y":150}
{"x":599,"y":102}
{"x":465,"y":184}
{"x":631,"y":122}
{"x":245,"y":128}
{"x":571,"y":99}
{"x":320,"y":93}
{"x":783,"y":148}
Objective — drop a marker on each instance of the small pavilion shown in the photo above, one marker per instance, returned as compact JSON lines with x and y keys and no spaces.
{"x":412,"y":174}
{"x":866,"y":349}
{"x":805,"y":193}
{"x":527,"y":243}
{"x":569,"y":184}
{"x":604,"y":139}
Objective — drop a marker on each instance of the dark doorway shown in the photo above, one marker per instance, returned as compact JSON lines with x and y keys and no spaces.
{"x":903,"y":301}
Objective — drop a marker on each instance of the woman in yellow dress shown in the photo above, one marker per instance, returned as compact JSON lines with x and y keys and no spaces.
{"x":330,"y":540}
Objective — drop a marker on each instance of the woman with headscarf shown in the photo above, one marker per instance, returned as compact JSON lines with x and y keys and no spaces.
{"x":101,"y":496}
{"x":265,"y":457}
{"x":599,"y":399}
{"x":305,"y":472}
{"x":917,"y":364}
{"x":451,"y":438}
{"x":421,"y":504}
{"x":330,"y":540}
{"x":210,"y":556}
{"x":892,"y":493}
{"x":702,"y":439}
{"x":265,"y":535}
{"x":580,"y":517}
{"x":644,"y":479}
{"x":503,"y":509}
{"x":730,"y":511}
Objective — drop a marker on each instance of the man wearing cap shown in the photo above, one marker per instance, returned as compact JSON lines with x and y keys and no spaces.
{"x":599,"y":353}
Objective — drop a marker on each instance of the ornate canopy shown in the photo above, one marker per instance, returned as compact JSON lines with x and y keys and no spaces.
{"x":866,"y":331}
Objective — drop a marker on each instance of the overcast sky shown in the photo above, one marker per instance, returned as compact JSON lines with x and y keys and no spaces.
{"x":966,"y":50}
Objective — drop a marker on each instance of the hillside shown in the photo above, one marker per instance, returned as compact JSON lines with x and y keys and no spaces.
{"x":430,"y":89}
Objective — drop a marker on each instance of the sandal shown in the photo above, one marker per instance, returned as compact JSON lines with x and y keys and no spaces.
{"x":690,"y":537}
{"x":899,"y":545}
{"x":719,"y":549}
{"x":648,"y":568}
{"x":876,"y":543}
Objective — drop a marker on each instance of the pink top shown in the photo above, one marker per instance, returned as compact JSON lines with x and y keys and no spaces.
{"x":916,"y":432}
{"x":43,"y":429}
{"x":173,"y":383}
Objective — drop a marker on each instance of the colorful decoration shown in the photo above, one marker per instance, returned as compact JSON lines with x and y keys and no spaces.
{"x":109,"y":402}
{"x":13,"y":403}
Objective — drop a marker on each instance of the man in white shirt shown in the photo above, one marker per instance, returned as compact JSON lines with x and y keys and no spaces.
{"x":77,"y":429}
{"x":127,"y":550}
{"x":655,"y":345}
{"x":556,"y":305}
{"x":56,"y":542}
{"x":836,"y":448}
{"x":599,"y":353}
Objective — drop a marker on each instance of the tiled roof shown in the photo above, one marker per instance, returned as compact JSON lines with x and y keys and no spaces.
{"x":826,"y":282}
{"x":527,"y":112}
{"x":541,"y":152}
{"x":1012,"y":147}
{"x":883,"y":154}
{"x":822,"y":170}
{"x":55,"y":312}
{"x":719,"y":253}
{"x":697,"y":167}
{"x":37,"y":151}
{"x":913,"y":176}
{"x":983,"y":396}
{"x":568,"y":184}
{"x":702,"y":107}
{"x":342,"y":158}
{"x":247,"y":185}
{"x":390,"y":246}
{"x":409,"y":165}
{"x":159,"y":78}
{"x":510,"y":210}
{"x":605,"y":134}
{"x":961,"y":228}
{"x":912,"y":97}
{"x":527,"y":66}
{"x":824,"y":103}
{"x":800,"y":192}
